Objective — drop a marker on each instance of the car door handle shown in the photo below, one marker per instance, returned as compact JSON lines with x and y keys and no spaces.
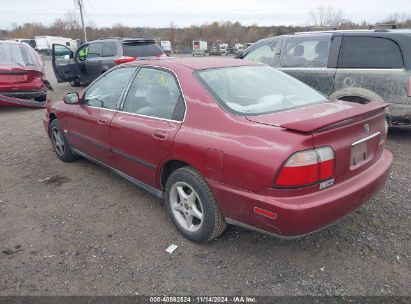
{"x":102,"y":121}
{"x":160,"y":134}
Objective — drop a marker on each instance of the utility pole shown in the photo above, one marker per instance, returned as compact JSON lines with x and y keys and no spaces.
{"x":80,"y":5}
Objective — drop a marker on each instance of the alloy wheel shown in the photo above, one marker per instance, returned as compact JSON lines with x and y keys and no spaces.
{"x":58,"y":141}
{"x":186,"y":207}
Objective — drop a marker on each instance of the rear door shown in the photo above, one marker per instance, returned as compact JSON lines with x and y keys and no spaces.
{"x":64,"y":65}
{"x":305,"y":57}
{"x":372,"y":68}
{"x":142,"y":133}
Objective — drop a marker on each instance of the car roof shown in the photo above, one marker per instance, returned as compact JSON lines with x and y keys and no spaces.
{"x":126,"y":39}
{"x":358,"y":31}
{"x":196,"y":63}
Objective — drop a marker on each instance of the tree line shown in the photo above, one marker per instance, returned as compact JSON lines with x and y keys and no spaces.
{"x":215,"y":32}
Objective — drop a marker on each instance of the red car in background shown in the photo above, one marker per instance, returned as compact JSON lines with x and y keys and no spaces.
{"x":227,"y":141}
{"x":21,"y":72}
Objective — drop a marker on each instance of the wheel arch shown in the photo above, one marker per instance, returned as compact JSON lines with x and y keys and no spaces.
{"x":52,"y":117}
{"x":169,"y":167}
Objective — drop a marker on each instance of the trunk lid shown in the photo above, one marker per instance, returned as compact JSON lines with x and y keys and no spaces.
{"x":9,"y":74}
{"x":355,"y":132}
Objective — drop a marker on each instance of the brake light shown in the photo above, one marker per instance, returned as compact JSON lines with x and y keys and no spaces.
{"x":307,"y":167}
{"x":409,"y":86}
{"x":124,"y":59}
{"x":32,"y":75}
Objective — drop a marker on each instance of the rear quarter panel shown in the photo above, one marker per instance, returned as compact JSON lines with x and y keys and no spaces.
{"x":250,"y":153}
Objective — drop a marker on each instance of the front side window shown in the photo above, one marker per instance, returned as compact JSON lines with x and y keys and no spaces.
{"x":155,"y":93}
{"x":106,"y":91}
{"x":369,"y":53}
{"x":265,"y":53}
{"x":306,"y":51}
{"x":256,"y":90}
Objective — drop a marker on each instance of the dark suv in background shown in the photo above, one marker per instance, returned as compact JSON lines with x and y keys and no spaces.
{"x":95,"y":57}
{"x":358,"y":66}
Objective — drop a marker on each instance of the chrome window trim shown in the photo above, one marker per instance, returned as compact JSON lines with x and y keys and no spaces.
{"x":88,"y":106}
{"x":365,"y":139}
{"x":153,"y":117}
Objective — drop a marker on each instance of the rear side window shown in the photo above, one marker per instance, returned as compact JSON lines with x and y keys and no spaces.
{"x":369,"y":53}
{"x":141,"y":49}
{"x":155,"y":93}
{"x":109,"y":49}
{"x":306,"y":51}
{"x":95,"y":50}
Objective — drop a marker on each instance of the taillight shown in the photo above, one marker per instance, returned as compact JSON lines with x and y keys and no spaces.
{"x":409,"y":86}
{"x":32,"y":75}
{"x":124,"y":59}
{"x":162,"y":55}
{"x":307,"y":167}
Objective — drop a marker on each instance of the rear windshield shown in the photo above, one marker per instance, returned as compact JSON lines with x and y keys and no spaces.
{"x":19,"y":55}
{"x":141,"y":49}
{"x":256,"y":90}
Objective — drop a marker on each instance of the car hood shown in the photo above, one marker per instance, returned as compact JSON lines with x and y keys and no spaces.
{"x":315,"y":117}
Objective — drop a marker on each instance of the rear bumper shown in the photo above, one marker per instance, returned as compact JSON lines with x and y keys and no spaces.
{"x":26,"y":94}
{"x":399,"y":114}
{"x":300,"y":215}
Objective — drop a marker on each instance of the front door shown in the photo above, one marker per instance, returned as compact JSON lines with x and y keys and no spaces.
{"x":143,"y":131}
{"x":89,"y":122}
{"x":63,"y":63}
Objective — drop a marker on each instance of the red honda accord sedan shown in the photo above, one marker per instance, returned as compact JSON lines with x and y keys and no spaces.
{"x":227,"y":141}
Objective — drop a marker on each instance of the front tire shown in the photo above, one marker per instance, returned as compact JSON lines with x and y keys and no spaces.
{"x":60,"y":144}
{"x":191,"y":206}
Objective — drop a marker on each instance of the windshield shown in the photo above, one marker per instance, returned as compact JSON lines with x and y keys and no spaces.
{"x":255,"y":90}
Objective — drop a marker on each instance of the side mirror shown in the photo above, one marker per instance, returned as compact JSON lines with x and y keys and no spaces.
{"x":66,"y":56}
{"x":71,"y":98}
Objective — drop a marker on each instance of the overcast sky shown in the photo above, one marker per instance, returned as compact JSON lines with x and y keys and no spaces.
{"x":159,"y":13}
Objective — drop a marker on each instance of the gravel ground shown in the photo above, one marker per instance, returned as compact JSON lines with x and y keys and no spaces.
{"x":86,"y":231}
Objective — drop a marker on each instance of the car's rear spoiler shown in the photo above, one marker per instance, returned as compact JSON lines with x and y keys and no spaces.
{"x":317,"y":123}
{"x":6,"y":101}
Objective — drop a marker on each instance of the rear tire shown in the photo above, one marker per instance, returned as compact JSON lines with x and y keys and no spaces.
{"x":60,"y":144}
{"x":191,"y":206}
